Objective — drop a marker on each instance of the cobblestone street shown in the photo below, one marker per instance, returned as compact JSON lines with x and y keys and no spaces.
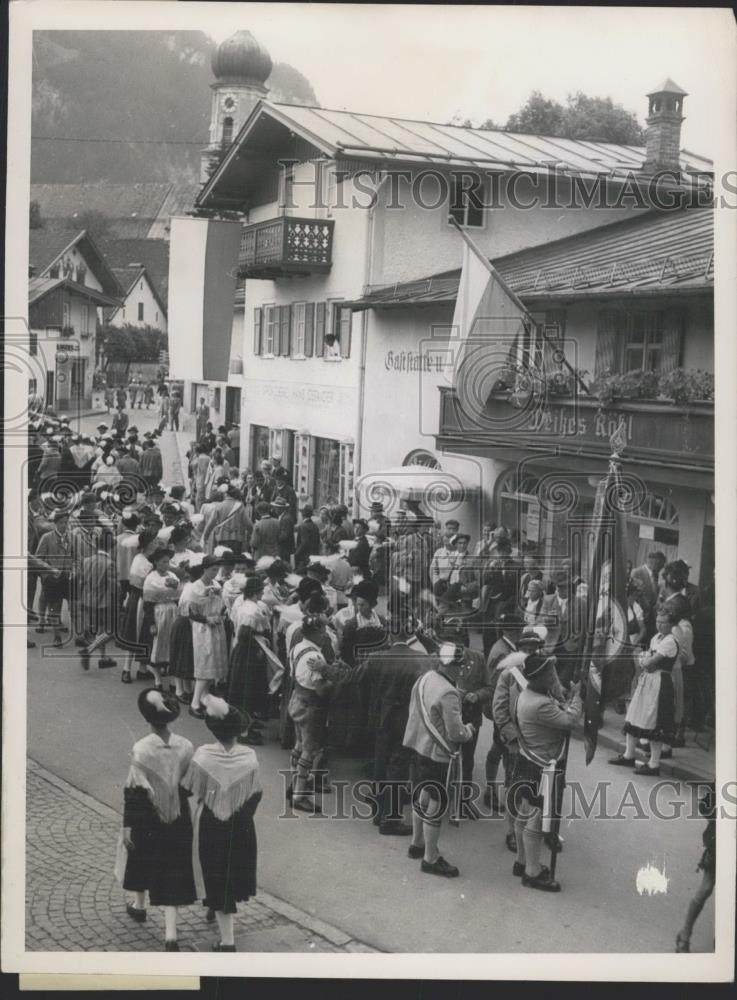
{"x":73,"y":902}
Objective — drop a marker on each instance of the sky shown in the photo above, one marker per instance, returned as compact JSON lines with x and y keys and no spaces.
{"x":480,"y":62}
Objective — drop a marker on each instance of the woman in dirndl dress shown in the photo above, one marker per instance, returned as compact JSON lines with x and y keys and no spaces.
{"x":651,"y":713}
{"x":131,"y":638}
{"x":207,"y":612}
{"x":161,"y":593}
{"x":155,"y":847}
{"x":248,"y":683}
{"x":224,"y":781}
{"x":181,"y":653}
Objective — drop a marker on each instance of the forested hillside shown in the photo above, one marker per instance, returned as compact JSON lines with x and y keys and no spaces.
{"x":118,"y":86}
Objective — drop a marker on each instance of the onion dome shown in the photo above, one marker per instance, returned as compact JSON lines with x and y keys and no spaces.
{"x":242,"y":58}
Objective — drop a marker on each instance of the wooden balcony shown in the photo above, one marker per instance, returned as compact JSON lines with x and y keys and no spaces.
{"x":657,"y":432}
{"x":286,"y":246}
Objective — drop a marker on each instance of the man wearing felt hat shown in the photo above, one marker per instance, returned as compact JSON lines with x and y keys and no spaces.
{"x":308,"y":538}
{"x":435,"y":733}
{"x":280,"y":508}
{"x":265,"y":538}
{"x":535,"y":794}
{"x":227,"y":522}
{"x":507,"y":682}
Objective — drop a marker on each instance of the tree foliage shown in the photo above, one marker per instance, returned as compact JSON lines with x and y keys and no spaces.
{"x":581,"y":117}
{"x":129,"y":343}
{"x":97,"y":224}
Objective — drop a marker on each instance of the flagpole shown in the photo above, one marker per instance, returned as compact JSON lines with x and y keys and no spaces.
{"x":555,"y":825}
{"x":513,"y":296}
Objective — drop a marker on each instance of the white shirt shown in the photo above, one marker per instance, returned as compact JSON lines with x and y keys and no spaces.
{"x":308,"y":664}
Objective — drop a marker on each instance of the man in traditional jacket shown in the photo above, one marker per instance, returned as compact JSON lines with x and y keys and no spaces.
{"x":435,"y":732}
{"x":280,"y":507}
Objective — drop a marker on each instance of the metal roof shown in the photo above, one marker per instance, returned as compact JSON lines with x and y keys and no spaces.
{"x":656,"y":253}
{"x":348,"y":134}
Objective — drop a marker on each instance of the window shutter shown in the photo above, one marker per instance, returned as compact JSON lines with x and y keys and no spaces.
{"x":284,"y":325}
{"x":319,"y":329}
{"x":670,"y":356}
{"x":257,"y":326}
{"x":309,"y":329}
{"x":344,"y":332}
{"x":606,"y":341}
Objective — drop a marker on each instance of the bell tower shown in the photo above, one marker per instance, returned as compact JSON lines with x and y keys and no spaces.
{"x":241,"y":66}
{"x":663,"y":134}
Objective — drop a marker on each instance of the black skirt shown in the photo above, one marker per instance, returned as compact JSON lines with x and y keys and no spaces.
{"x":228,"y":853}
{"x":248,"y":683}
{"x":161,"y":861}
{"x":181,"y":652}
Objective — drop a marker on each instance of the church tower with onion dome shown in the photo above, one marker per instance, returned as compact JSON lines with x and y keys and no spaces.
{"x":241,"y":66}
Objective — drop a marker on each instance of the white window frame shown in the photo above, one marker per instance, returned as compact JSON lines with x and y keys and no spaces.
{"x":297,"y":331}
{"x":465,"y":223}
{"x":269,"y":327}
{"x":334,"y":349}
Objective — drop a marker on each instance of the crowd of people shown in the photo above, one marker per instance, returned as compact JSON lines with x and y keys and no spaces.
{"x":385,"y":634}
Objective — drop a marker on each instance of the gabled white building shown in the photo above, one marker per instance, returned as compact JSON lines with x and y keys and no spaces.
{"x":334,"y":203}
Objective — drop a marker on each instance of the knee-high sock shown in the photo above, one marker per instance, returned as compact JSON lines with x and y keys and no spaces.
{"x":656,"y":748}
{"x":630,"y":743}
{"x":519,"y":829}
{"x":141,"y":900}
{"x":170,"y":923}
{"x":225,"y":926}
{"x":533,"y":839}
{"x":431,"y":831}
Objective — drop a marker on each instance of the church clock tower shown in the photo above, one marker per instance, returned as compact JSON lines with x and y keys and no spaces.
{"x":241,"y":66}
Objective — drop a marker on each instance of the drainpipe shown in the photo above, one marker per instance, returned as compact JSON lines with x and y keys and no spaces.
{"x":368,"y":268}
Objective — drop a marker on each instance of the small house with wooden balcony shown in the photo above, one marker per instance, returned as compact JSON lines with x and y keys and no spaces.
{"x":70,"y":284}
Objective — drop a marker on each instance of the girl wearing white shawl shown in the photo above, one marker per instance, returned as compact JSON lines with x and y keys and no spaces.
{"x":161,"y":592}
{"x":155,"y":846}
{"x":223,"y":778}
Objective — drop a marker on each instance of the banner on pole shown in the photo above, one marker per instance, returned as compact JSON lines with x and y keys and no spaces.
{"x":203,"y":265}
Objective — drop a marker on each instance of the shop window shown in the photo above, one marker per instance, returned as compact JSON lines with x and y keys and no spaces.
{"x":327,"y":478}
{"x":260,"y":443}
{"x":467,"y":200}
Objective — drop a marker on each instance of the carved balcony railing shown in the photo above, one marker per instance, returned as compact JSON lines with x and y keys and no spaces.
{"x":286,"y":246}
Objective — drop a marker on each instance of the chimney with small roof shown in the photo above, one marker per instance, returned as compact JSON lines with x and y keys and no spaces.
{"x":663,"y":133}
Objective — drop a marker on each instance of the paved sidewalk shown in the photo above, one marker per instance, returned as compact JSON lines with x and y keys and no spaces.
{"x":694,"y":762}
{"x":73,"y":902}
